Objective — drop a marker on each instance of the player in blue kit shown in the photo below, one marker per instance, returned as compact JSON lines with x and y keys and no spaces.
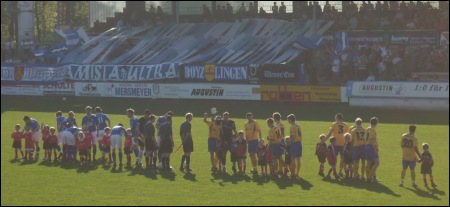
{"x":90,"y":121}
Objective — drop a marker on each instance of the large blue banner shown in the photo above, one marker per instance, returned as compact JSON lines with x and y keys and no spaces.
{"x":129,"y":73}
{"x":216,"y":73}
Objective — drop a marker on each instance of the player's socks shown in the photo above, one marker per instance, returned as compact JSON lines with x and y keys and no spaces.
{"x":163,"y":161}
{"x":136,"y":152}
{"x":329,"y":171}
{"x":155,"y":159}
{"x":16,"y":154}
{"x":21,"y":152}
{"x":128,"y":159}
{"x":94,"y":150}
{"x":38,"y":149}
{"x":188,"y":162}
{"x":425,"y":180}
{"x":120,"y":157}
{"x":183,"y":158}
{"x":346,"y":173}
{"x":114,"y":156}
{"x":351,"y":173}
{"x":140,"y":155}
{"x":147,"y":160}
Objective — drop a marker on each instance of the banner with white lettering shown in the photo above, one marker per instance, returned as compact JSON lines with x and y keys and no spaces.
{"x":413,"y":38}
{"x":31,"y":90}
{"x":59,"y":89}
{"x":32,"y":74}
{"x":278,"y":74}
{"x":216,"y":73}
{"x":125,"y":73}
{"x":211,"y":91}
{"x":117,"y":89}
{"x":365,"y":36}
{"x":397,"y":89}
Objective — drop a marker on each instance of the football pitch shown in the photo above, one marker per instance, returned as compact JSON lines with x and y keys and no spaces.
{"x":37,"y":183}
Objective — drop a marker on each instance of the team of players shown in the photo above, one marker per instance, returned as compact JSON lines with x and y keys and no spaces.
{"x":352,"y":144}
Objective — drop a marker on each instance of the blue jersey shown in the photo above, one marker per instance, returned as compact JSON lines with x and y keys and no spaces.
{"x":118,"y":130}
{"x":71,"y":120}
{"x":90,"y":121}
{"x":73,"y":130}
{"x":61,"y":122}
{"x":101,"y":120}
{"x":133,"y":125}
{"x":34,"y":125}
{"x":161,"y":121}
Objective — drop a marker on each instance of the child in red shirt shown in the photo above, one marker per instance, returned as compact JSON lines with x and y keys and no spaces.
{"x":89,"y":140}
{"x":45,"y":134}
{"x":106,"y":141}
{"x":53,"y":143}
{"x":29,"y":144}
{"x":17,"y":143}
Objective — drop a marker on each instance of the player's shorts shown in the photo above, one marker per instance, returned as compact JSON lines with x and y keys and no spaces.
{"x":36,"y":136}
{"x":17,"y":144}
{"x":96,"y":139}
{"x":141,"y":142}
{"x":425,"y":169}
{"x":116,"y":141}
{"x":253,"y":146}
{"x":127,"y":150}
{"x":410,"y":164}
{"x":358,"y":153}
{"x":54,"y":146}
{"x":321,"y":158}
{"x":188,"y":146}
{"x":106,"y":149}
{"x":166,"y":146}
{"x":331,"y":159}
{"x":46,"y":146}
{"x":158,"y":141}
{"x":296,"y":149}
{"x":348,"y":159}
{"x":83,"y":152}
{"x":262,"y":161}
{"x":287,"y":159}
{"x":276,"y":150}
{"x":68,"y":138}
{"x":339,"y":150}
{"x":370,"y":152}
{"x":150,"y":146}
{"x":60,"y":135}
{"x":212,"y":144}
{"x":269,"y":156}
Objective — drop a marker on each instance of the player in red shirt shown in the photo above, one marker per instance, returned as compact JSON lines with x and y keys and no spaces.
{"x":106,"y":141}
{"x":331,"y":157}
{"x":17,"y":143}
{"x":29,"y":144}
{"x":128,"y":144}
{"x":89,"y":142}
{"x":82,"y":146}
{"x":53,"y":143}
{"x":241,"y":151}
{"x":321,"y":149}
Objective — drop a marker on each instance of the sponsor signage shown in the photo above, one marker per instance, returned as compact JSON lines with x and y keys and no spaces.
{"x":365,"y":36}
{"x":398,"y":89}
{"x":133,"y":90}
{"x":117,"y":73}
{"x":32,"y":90}
{"x":216,"y":73}
{"x":325,"y":94}
{"x":59,"y":89}
{"x":276,"y":73}
{"x":210,"y":91}
{"x":253,"y":73}
{"x":285,"y":93}
{"x":413,"y":38}
{"x":89,"y":89}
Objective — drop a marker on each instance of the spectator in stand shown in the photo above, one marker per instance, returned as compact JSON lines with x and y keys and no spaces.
{"x":282,"y":11}
{"x":336,"y":69}
{"x":206,"y":14}
{"x":218,"y":14}
{"x":229,"y":13}
{"x":274,"y":10}
{"x":159,"y":14}
{"x":371,"y":77}
{"x":262,"y":13}
{"x":252,"y":10}
{"x":242,"y":12}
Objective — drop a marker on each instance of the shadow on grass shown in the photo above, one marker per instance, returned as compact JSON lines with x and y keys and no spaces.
{"x":223,"y":178}
{"x":374,"y":187}
{"x":436,"y":191}
{"x":190,"y":177}
{"x":422,"y":193}
{"x":169,"y":175}
{"x":28,"y":162}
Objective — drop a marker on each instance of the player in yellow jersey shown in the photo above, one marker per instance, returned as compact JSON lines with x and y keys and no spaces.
{"x":214,"y":137}
{"x":252,"y":135}
{"x":275,"y":138}
{"x":296,"y":145}
{"x":337,"y":130}
{"x":358,"y":134}
{"x":277,"y":122}
{"x":409,"y":148}
{"x":371,"y":151}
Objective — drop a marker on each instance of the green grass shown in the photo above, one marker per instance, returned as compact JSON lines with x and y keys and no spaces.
{"x":39,"y":184}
